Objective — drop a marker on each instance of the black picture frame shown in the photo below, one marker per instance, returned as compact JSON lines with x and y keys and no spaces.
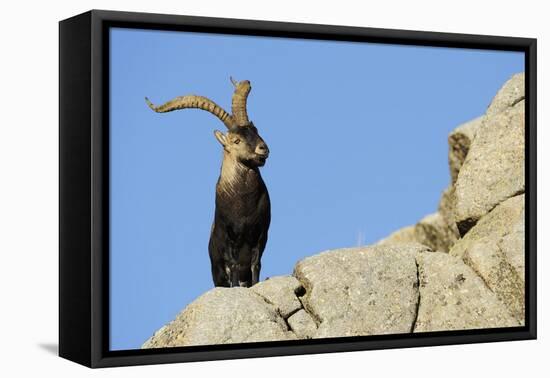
{"x":84,"y":194}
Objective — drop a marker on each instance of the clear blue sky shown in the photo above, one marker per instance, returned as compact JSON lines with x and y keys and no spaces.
{"x":358,"y":140}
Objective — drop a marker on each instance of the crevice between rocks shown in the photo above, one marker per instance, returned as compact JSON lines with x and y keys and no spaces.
{"x":311,"y":313}
{"x":517,"y":101}
{"x":278,"y":311}
{"x":467,"y":224}
{"x":264,"y":298}
{"x":303,"y":291}
{"x":415,"y":319}
{"x":468,"y":261}
{"x":288,"y":327}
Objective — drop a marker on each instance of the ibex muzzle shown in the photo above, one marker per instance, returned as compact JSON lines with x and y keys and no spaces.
{"x":243,"y":210}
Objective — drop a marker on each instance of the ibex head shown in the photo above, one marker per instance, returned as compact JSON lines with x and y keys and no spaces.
{"x":242,"y":142}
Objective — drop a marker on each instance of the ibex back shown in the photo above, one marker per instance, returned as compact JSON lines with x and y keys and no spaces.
{"x":243,"y":213}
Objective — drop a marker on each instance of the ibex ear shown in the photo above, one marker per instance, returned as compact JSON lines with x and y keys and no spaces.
{"x":220,"y":137}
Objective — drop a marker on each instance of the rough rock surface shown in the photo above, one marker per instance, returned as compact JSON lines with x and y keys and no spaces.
{"x":511,"y":93}
{"x":282,"y":293}
{"x":460,"y":140}
{"x":446,"y":208}
{"x":453,"y":297}
{"x":403,"y":235}
{"x":434,"y":231}
{"x":221,"y":316}
{"x":405,"y":283}
{"x":494,"y":167}
{"x":385,"y":289}
{"x":302,"y":324}
{"x":494,"y":248}
{"x":370,"y":290}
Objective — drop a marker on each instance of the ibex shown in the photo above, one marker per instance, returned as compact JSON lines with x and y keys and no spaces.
{"x":243,"y":211}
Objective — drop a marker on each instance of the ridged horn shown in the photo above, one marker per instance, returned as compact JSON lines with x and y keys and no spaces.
{"x":194,"y":102}
{"x":238,"y":102}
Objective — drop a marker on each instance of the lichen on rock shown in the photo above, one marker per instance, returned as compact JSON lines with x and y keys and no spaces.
{"x":453,"y":297}
{"x":494,"y":248}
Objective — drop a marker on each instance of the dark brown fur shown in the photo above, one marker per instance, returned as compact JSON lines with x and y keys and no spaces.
{"x":243,"y":213}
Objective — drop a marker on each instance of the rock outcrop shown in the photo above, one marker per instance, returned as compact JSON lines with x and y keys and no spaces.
{"x":461,"y":267}
{"x":437,"y":230}
{"x":369,"y":291}
{"x":384,"y":289}
{"x":460,"y":140}
{"x":454,"y":297}
{"x":224,"y":315}
{"x":494,"y":248}
{"x":493,"y":170}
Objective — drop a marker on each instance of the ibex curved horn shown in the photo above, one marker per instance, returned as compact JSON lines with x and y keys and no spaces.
{"x":238,"y":102}
{"x":195,"y":102}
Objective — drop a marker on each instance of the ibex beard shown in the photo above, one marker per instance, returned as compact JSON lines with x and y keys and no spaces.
{"x":243,"y":211}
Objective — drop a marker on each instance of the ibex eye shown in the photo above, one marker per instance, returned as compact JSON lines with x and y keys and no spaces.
{"x":237,"y":141}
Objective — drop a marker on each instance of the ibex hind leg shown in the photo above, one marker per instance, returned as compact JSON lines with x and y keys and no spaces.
{"x":240,"y":277}
{"x":234,"y":276}
{"x":220,"y":276}
{"x":245,"y":278}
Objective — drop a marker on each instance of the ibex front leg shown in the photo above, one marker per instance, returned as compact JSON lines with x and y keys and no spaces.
{"x":233,"y":267}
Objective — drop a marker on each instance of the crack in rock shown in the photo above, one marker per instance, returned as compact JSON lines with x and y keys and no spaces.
{"x":417,"y":308}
